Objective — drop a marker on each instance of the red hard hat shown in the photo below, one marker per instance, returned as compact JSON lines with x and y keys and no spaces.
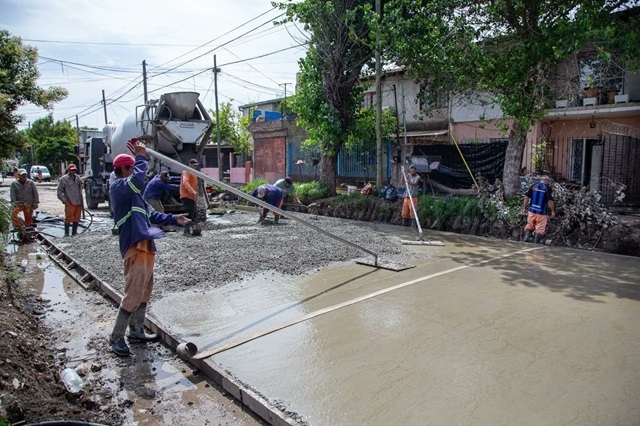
{"x":72,"y":167}
{"x":122,"y":160}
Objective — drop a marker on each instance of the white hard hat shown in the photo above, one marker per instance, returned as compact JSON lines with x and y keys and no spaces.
{"x":262,"y":192}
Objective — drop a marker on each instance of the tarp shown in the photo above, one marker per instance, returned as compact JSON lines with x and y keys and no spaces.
{"x":486,"y":159}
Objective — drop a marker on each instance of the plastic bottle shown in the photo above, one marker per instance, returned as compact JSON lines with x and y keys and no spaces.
{"x":71,"y":380}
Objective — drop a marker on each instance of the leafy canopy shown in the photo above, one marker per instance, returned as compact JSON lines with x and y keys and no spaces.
{"x":18,"y":86}
{"x":54,"y":143}
{"x":233,"y":128}
{"x":509,"y":49}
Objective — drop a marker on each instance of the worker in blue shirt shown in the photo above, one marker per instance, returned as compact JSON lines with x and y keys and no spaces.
{"x":272,"y":195}
{"x":134,"y":218}
{"x":155,"y":188}
{"x":536,"y":201}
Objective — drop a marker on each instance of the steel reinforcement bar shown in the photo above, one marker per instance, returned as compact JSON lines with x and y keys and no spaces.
{"x":248,"y":398}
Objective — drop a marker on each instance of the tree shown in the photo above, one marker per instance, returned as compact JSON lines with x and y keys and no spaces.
{"x":509,"y":49}
{"x":18,"y":75}
{"x":54,"y":143}
{"x":234,"y":129}
{"x":328,"y":98}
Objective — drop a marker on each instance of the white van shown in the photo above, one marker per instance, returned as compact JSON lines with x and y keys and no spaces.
{"x":46,"y":176}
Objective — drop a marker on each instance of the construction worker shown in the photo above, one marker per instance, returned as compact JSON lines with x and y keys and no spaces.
{"x":288,"y":189}
{"x":189,"y":196}
{"x":155,"y":188}
{"x":70,"y":193}
{"x":24,"y":198}
{"x":270,"y":194}
{"x":134,"y":218}
{"x":39,"y":174}
{"x":540,"y":197}
{"x":413,"y":180}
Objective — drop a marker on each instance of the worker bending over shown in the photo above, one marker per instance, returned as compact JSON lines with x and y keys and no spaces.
{"x":270,"y":194}
{"x":155,"y":188}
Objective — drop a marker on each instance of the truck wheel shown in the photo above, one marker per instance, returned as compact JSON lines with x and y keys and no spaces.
{"x":92,"y":204}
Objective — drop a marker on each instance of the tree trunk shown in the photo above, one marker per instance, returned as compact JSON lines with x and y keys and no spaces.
{"x":329,"y":172}
{"x":513,"y":160}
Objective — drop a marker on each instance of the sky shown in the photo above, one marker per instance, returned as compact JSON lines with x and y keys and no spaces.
{"x":111,"y":38}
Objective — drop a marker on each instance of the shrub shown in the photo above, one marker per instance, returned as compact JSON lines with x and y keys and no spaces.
{"x":249,"y":187}
{"x":5,"y":220}
{"x":312,"y":191}
{"x":356,"y":200}
{"x":444,"y":208}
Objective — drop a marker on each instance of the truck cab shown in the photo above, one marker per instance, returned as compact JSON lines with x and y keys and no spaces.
{"x":98,"y":167}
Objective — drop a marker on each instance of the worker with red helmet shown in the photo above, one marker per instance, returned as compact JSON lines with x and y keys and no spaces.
{"x":70,"y":193}
{"x":134,"y":217}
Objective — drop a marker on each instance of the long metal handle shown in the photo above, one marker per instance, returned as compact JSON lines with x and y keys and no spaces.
{"x":413,"y":207}
{"x":178,"y":165}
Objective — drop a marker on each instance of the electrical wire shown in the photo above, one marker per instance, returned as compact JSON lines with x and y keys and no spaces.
{"x":219,"y":46}
{"x":109,"y":43}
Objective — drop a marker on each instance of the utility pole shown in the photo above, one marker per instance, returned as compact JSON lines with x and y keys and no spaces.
{"x":33,"y":157}
{"x":144,"y":80}
{"x":285,"y":96}
{"x":216,"y":70}
{"x":104,"y":106}
{"x":378,"y":103}
{"x":79,"y":145}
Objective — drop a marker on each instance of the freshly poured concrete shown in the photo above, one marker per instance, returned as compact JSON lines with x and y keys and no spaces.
{"x":483,"y":332}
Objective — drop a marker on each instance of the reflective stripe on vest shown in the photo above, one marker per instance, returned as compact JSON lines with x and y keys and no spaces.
{"x":134,"y":209}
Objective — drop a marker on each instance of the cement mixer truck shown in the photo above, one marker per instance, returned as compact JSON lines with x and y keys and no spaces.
{"x":176,"y":125}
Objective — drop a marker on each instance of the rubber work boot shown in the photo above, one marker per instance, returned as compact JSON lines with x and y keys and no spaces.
{"x":74,"y":228}
{"x":187,"y":231}
{"x":406,"y":222}
{"x":276,"y":219}
{"x":136,"y":326}
{"x":527,"y":236}
{"x":117,"y":342}
{"x":66,"y":229}
{"x":538,"y":239}
{"x":261,"y":219}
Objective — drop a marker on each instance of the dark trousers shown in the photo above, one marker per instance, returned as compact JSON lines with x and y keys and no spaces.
{"x":190,"y":209}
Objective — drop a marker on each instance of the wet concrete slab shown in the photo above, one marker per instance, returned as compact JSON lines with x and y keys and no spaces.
{"x":482,"y":332}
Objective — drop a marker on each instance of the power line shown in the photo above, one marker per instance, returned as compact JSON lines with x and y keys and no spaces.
{"x":216,"y":38}
{"x":251,"y":66}
{"x":230,"y":63}
{"x":264,"y":55}
{"x":109,"y":43}
{"x":221,"y":45}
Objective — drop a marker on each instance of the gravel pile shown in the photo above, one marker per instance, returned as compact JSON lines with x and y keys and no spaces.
{"x":232,"y":247}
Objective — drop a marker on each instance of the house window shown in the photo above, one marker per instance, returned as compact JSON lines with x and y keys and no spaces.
{"x":604,"y":74}
{"x":432,"y":99}
{"x":369,"y":99}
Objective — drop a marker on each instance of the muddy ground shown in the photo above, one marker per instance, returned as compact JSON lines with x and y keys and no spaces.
{"x":48,"y":323}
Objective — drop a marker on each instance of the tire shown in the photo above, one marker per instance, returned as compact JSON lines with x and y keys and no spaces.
{"x":92,"y":204}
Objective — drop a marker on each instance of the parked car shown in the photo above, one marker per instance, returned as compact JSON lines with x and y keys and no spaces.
{"x":46,"y":176}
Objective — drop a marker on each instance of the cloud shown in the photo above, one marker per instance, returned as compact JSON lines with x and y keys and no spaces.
{"x":188,"y":22}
